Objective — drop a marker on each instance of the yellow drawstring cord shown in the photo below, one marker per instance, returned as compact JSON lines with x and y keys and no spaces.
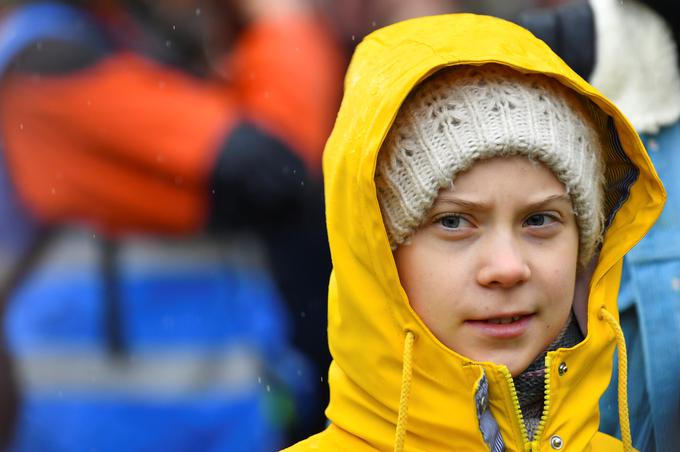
{"x":623,"y":379}
{"x":402,"y":418}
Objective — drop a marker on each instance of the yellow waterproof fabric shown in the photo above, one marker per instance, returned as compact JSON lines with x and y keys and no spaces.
{"x":369,"y":313}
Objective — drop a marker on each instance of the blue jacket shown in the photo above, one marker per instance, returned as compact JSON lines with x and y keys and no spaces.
{"x":649,"y":303}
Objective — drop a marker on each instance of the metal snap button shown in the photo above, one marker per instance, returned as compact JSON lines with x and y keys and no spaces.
{"x":562,"y":368}
{"x":556,"y":442}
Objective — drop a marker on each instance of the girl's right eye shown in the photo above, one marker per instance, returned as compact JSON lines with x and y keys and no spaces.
{"x":452,"y":221}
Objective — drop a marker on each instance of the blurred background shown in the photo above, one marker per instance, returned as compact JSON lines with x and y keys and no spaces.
{"x":163,"y":259}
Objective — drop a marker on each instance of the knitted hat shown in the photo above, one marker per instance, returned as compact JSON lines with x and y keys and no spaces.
{"x":469,"y":113}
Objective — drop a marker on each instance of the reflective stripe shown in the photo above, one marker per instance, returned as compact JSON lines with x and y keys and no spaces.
{"x":75,"y":249}
{"x":152,"y":374}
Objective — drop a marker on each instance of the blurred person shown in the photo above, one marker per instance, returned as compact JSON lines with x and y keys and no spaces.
{"x":505,"y":9}
{"x":351,"y":20}
{"x":157,"y":168}
{"x":629,"y":50}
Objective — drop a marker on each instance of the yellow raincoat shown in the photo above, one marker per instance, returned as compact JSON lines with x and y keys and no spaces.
{"x":392,"y":383}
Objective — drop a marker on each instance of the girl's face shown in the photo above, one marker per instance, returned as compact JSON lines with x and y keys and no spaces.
{"x":492,"y":269}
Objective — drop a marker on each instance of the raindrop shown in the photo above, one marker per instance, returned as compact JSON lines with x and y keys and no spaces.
{"x":653,"y":145}
{"x":198,"y":11}
{"x":675,"y":283}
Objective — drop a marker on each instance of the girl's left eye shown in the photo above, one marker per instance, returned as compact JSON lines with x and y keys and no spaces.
{"x":539,"y":219}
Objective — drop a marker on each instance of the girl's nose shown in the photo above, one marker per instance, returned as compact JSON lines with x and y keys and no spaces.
{"x":504,"y":266}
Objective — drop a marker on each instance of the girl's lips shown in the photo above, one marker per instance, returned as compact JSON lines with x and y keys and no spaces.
{"x":495,"y":330}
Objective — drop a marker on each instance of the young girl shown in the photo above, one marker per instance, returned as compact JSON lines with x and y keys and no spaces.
{"x":480,"y":199}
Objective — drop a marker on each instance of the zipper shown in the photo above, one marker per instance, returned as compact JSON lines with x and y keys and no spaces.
{"x":518,"y":410}
{"x":546,"y":400}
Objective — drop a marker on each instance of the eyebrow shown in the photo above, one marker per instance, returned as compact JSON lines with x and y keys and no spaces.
{"x":562,"y":197}
{"x":450,"y":199}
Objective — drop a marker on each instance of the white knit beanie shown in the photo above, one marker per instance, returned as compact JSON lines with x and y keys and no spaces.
{"x":469,"y":113}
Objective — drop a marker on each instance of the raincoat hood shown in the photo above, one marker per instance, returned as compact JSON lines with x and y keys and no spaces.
{"x":370,"y":319}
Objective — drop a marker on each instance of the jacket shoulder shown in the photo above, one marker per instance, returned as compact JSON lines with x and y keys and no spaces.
{"x":50,"y":38}
{"x":331,"y":439}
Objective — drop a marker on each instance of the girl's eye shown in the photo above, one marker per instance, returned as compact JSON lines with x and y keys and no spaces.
{"x":452,"y":221}
{"x":539,"y":219}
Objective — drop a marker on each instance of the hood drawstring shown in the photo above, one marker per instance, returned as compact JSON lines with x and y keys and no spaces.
{"x":402,"y":418}
{"x":624,"y":422}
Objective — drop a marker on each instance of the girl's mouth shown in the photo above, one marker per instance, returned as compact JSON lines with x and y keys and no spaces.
{"x":508,"y":327}
{"x":505,"y":320}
